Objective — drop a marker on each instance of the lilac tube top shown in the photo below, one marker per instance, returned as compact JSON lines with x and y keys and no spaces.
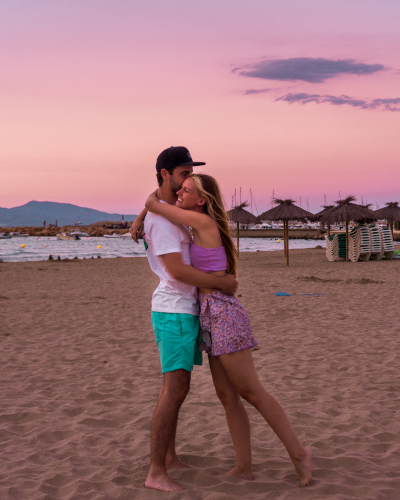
{"x":208,"y":259}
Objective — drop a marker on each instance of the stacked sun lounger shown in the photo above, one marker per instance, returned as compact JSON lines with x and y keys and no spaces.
{"x":332,"y":247}
{"x":376,"y":242}
{"x":342,"y":245}
{"x":365,"y":243}
{"x":387,"y":243}
{"x":359,"y":244}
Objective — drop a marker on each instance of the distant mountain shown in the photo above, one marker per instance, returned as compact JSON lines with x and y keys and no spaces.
{"x":35,"y":212}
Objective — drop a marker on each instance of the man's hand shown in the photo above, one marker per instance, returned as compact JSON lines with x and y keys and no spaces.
{"x":229,"y":285}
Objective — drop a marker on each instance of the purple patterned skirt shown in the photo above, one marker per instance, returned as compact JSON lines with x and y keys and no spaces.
{"x":224,"y":324}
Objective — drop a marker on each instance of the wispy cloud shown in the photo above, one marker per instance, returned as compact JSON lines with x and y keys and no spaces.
{"x":257,"y":91}
{"x":303,"y":98}
{"x":307,"y":69}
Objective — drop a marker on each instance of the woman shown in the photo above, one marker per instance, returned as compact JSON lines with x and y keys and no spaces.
{"x":225,"y":326}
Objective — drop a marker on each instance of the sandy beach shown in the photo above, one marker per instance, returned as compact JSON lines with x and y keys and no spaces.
{"x":80,"y":377}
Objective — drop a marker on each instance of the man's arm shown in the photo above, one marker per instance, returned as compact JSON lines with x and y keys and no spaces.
{"x":137,"y":227}
{"x":192,"y":276}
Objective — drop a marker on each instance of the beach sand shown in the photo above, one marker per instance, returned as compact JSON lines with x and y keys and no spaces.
{"x":80,"y":376}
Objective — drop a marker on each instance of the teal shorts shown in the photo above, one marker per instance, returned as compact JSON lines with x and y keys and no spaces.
{"x":178,"y":340}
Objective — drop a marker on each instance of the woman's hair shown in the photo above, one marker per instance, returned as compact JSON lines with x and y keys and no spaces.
{"x":209,"y":189}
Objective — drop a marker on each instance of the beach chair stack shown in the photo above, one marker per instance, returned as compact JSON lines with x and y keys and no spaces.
{"x":387,"y":243}
{"x":332,"y":247}
{"x":354,"y":245}
{"x":342,"y":245}
{"x":365,"y":243}
{"x":359,"y":244}
{"x":376,"y":242}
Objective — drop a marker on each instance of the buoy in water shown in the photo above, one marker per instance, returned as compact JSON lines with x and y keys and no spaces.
{"x":23,"y":245}
{"x":278,"y":241}
{"x":99,"y":246}
{"x":45,"y":246}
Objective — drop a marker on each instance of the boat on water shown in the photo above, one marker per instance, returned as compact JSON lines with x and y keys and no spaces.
{"x":80,"y":234}
{"x":114,"y":235}
{"x":18,"y":235}
{"x":4,"y":236}
{"x":67,"y":236}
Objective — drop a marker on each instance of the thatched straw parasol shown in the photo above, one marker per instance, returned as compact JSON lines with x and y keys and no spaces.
{"x":346,"y":211}
{"x":241,"y":216}
{"x":326,"y":210}
{"x":286,"y":211}
{"x":391,"y":213}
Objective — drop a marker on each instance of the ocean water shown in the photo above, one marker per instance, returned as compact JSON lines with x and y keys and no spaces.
{"x":40,"y":248}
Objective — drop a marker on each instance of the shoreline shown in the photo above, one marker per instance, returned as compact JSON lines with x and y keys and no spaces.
{"x":98,"y":231}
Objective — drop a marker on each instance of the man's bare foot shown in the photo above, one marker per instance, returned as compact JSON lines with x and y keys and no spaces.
{"x":176,"y":464}
{"x":161,"y":483}
{"x":303,"y":467}
{"x":243,"y":474}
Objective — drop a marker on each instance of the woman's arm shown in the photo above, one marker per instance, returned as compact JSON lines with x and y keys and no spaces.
{"x":195,"y":220}
{"x":137,"y":227}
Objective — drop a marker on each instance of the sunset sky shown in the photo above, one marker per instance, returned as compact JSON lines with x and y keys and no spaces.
{"x":299,"y":97}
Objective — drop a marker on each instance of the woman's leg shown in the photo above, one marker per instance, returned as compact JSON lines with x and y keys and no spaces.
{"x":237,"y":418}
{"x":239,"y":367}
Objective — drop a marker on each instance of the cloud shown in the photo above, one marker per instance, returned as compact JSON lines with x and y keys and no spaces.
{"x":259,"y":91}
{"x":307,"y":69}
{"x":303,"y":98}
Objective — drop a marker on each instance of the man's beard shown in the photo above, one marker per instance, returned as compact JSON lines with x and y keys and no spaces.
{"x":174,"y":186}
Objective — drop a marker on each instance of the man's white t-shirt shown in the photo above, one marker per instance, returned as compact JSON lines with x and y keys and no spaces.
{"x":162,"y":237}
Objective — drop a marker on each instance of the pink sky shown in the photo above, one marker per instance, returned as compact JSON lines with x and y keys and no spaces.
{"x":92,"y":91}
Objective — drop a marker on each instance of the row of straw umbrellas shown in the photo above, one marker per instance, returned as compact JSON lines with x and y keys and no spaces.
{"x":344,"y":211}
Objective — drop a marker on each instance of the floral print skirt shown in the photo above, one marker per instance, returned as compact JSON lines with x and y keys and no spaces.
{"x":224,"y":324}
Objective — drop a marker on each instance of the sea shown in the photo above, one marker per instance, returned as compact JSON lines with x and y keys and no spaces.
{"x":40,"y":248}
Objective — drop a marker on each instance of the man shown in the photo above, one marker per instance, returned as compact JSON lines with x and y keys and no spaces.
{"x":175,"y":312}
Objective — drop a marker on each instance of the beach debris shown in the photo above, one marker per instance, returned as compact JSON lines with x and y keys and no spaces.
{"x":362,"y":281}
{"x":99,"y":256}
{"x":350,"y":281}
{"x":285,"y":294}
{"x":58,"y":258}
{"x":50,"y":258}
{"x":315,"y":279}
{"x":319,"y":247}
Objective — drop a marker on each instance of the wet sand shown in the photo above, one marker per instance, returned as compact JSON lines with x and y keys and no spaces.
{"x":80,"y":376}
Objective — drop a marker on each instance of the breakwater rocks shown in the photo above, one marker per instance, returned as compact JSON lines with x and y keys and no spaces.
{"x":53,"y":231}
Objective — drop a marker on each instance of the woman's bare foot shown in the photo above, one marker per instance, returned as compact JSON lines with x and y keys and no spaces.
{"x":243,"y":474}
{"x":176,"y":464}
{"x":161,"y":483}
{"x":303,"y":467}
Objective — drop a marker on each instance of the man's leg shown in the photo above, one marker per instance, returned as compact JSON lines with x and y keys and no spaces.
{"x":176,"y":385}
{"x":172,"y":461}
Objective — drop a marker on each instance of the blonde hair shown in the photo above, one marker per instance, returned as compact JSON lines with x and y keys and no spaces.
{"x":209,"y":189}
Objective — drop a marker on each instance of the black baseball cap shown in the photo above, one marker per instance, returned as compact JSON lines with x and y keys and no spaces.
{"x":175,"y":156}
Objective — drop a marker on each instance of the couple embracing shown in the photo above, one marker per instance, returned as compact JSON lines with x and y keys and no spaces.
{"x":194,"y":309}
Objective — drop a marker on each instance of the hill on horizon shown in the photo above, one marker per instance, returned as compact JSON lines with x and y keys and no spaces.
{"x":34,"y":213}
